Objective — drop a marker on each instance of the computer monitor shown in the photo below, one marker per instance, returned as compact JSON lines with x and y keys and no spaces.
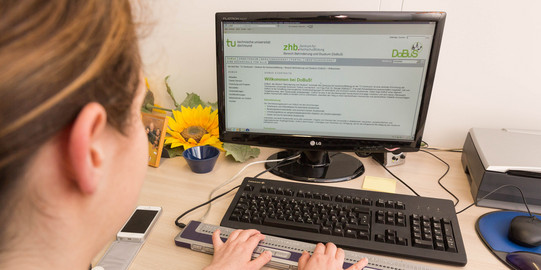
{"x":319,"y":82}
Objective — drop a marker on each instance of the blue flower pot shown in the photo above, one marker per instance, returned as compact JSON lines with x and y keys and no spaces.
{"x":201,"y":159}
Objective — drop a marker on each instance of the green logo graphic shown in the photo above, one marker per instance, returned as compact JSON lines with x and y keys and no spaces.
{"x":291,"y":47}
{"x":231,"y":43}
{"x":411,"y":53}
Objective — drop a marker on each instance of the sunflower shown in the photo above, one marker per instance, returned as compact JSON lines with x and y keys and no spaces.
{"x":191,"y":127}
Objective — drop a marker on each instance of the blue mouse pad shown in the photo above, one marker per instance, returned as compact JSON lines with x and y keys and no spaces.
{"x":493,"y":228}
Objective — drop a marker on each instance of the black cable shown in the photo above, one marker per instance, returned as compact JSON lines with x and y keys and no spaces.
{"x":278,"y":164}
{"x":490,"y":193}
{"x":404,"y":183}
{"x":182,"y":225}
{"x":426,"y":146}
{"x":447,"y":171}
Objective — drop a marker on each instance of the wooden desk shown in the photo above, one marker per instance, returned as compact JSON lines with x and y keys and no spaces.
{"x":175,"y":188}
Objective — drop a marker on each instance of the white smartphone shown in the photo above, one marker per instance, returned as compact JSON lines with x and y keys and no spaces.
{"x":139,"y":224}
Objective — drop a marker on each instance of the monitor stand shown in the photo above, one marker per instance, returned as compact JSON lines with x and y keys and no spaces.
{"x":317,"y":166}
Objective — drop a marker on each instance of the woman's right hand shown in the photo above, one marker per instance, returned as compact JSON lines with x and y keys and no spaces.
{"x":236,"y":252}
{"x":327,"y":257}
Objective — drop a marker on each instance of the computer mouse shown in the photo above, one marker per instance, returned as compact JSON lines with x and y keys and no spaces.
{"x":524,"y":260}
{"x":525,"y":231}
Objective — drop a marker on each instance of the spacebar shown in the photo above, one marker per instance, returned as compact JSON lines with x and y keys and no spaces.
{"x":291,"y":225}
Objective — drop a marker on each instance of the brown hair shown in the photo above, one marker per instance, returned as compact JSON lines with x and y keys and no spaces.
{"x":55,"y":57}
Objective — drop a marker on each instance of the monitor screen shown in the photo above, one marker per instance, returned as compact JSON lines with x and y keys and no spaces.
{"x":327,"y":81}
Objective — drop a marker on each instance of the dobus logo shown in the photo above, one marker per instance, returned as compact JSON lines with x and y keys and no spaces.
{"x":412,"y":53}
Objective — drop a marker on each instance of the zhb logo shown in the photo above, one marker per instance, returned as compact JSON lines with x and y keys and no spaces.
{"x":411,"y":53}
{"x":291,"y":47}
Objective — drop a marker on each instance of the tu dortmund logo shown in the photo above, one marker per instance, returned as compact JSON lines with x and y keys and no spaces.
{"x":230,"y":43}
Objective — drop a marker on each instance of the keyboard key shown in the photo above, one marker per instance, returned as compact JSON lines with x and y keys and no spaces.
{"x":450,"y":244}
{"x":361,"y":210}
{"x":366,"y":201}
{"x":363,"y":235}
{"x":234,"y":217}
{"x":338,"y":232}
{"x":447,"y":230}
{"x":326,"y":230}
{"x":401,"y":241}
{"x":422,"y":243}
{"x":401,"y":222}
{"x":390,"y":239}
{"x":256,"y":220}
{"x":291,"y":225}
{"x":365,"y":228}
{"x":351,"y":234}
{"x":438,"y":245}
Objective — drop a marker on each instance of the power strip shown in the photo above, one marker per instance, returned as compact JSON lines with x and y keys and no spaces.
{"x":389,"y":159}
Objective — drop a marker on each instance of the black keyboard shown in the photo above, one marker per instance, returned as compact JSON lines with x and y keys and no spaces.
{"x":384,"y":223}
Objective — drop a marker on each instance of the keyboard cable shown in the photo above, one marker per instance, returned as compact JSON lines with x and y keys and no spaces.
{"x":280,"y":162}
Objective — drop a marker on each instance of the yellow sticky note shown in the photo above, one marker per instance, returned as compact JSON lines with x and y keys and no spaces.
{"x":379,"y":184}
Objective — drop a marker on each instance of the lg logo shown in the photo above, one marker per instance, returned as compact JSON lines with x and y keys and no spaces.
{"x":314,"y":143}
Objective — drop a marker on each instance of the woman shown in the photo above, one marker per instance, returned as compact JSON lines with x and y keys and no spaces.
{"x":73,"y":150}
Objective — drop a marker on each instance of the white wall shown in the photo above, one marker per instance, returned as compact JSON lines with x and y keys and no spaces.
{"x":488,"y":71}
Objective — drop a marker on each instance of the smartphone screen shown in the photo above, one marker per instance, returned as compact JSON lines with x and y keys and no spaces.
{"x":139,"y":221}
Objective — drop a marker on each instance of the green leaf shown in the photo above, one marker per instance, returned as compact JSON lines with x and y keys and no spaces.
{"x":149,"y":101}
{"x":213,"y":105}
{"x":240,"y":153}
{"x":170,"y":92}
{"x":192,"y":100}
{"x":173,"y":152}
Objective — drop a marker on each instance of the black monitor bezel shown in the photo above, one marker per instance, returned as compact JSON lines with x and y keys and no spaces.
{"x":322,"y":143}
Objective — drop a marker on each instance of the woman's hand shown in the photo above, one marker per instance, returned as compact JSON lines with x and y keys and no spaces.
{"x":327,"y":257}
{"x":236,"y":252}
